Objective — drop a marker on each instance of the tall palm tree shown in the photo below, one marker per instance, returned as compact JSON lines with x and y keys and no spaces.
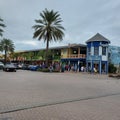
{"x":1,"y":26}
{"x":7,"y":46}
{"x":48,"y":28}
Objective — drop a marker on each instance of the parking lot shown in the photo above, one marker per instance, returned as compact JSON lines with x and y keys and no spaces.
{"x":27,"y":95}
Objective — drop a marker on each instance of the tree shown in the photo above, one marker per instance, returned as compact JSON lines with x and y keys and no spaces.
{"x":24,"y":56}
{"x":41,"y":54}
{"x":15,"y":56}
{"x":48,"y":28}
{"x":1,"y":26}
{"x":7,"y":46}
{"x":112,"y":68}
{"x":30,"y":56}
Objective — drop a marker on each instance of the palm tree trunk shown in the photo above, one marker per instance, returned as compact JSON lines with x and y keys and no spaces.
{"x":46,"y":54}
{"x":5,"y":56}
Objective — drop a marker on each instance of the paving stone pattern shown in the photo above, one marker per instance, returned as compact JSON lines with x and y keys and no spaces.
{"x":27,"y":95}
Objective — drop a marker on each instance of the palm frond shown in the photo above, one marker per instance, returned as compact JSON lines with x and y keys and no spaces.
{"x":1,"y":26}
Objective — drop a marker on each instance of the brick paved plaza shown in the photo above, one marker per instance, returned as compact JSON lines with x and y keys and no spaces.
{"x":26,"y":95}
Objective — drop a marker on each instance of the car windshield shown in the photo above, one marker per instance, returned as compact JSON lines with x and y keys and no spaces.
{"x":11,"y":65}
{"x":1,"y":63}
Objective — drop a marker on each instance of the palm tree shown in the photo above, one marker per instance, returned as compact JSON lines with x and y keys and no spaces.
{"x":1,"y":26}
{"x":48,"y":28}
{"x":7,"y":46}
{"x":24,"y":56}
{"x":15,"y":56}
{"x":30,"y":56}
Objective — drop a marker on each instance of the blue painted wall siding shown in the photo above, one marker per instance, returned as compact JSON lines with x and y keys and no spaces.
{"x":96,"y":44}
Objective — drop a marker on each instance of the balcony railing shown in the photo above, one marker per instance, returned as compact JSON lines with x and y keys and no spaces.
{"x":76,"y":56}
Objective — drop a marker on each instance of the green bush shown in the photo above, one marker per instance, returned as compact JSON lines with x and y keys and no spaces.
{"x":55,"y":71}
{"x":112,"y":68}
{"x":39,"y":69}
{"x":44,"y":70}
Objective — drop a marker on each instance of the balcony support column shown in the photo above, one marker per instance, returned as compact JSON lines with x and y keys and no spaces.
{"x":78,"y":51}
{"x":69,"y":52}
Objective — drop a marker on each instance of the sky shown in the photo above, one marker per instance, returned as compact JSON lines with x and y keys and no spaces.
{"x":82,"y":19}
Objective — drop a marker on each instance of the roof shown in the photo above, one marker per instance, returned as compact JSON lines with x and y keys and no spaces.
{"x":98,"y":37}
{"x":59,"y":47}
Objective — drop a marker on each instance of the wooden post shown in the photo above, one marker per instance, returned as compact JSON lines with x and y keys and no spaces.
{"x":78,"y":51}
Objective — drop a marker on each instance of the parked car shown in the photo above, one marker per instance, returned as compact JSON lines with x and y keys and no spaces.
{"x":25,"y":67}
{"x":30,"y":66}
{"x":34,"y":67}
{"x":1,"y":65}
{"x":18,"y":65}
{"x":9,"y":67}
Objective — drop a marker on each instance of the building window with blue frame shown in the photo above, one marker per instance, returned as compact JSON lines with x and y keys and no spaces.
{"x":96,"y":50}
{"x":103,"y":50}
{"x":89,"y":50}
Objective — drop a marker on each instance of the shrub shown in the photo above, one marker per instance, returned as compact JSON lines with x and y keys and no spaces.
{"x":55,"y":71}
{"x":39,"y":69}
{"x":43,"y":70}
{"x":112,"y":68}
{"x":46,"y":70}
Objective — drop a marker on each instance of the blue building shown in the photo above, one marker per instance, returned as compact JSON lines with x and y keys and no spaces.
{"x":114,"y":55}
{"x":97,"y":54}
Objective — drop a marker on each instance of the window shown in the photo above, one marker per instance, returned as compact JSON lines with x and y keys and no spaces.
{"x":96,"y":50}
{"x":75,"y":51}
{"x":89,"y":51}
{"x":103,"y":50}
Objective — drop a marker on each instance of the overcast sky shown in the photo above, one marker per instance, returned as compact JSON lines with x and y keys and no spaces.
{"x":82,"y":19}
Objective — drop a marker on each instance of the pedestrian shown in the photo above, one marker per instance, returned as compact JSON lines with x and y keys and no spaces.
{"x":95,"y":70}
{"x":51,"y":68}
{"x":75,"y":67}
{"x":82,"y":68}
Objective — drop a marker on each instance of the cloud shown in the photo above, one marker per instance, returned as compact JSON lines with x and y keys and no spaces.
{"x":81,"y":18}
{"x":33,"y":43}
{"x":29,"y":44}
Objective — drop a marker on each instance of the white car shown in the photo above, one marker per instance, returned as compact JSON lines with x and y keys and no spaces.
{"x":1,"y":65}
{"x":9,"y":67}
